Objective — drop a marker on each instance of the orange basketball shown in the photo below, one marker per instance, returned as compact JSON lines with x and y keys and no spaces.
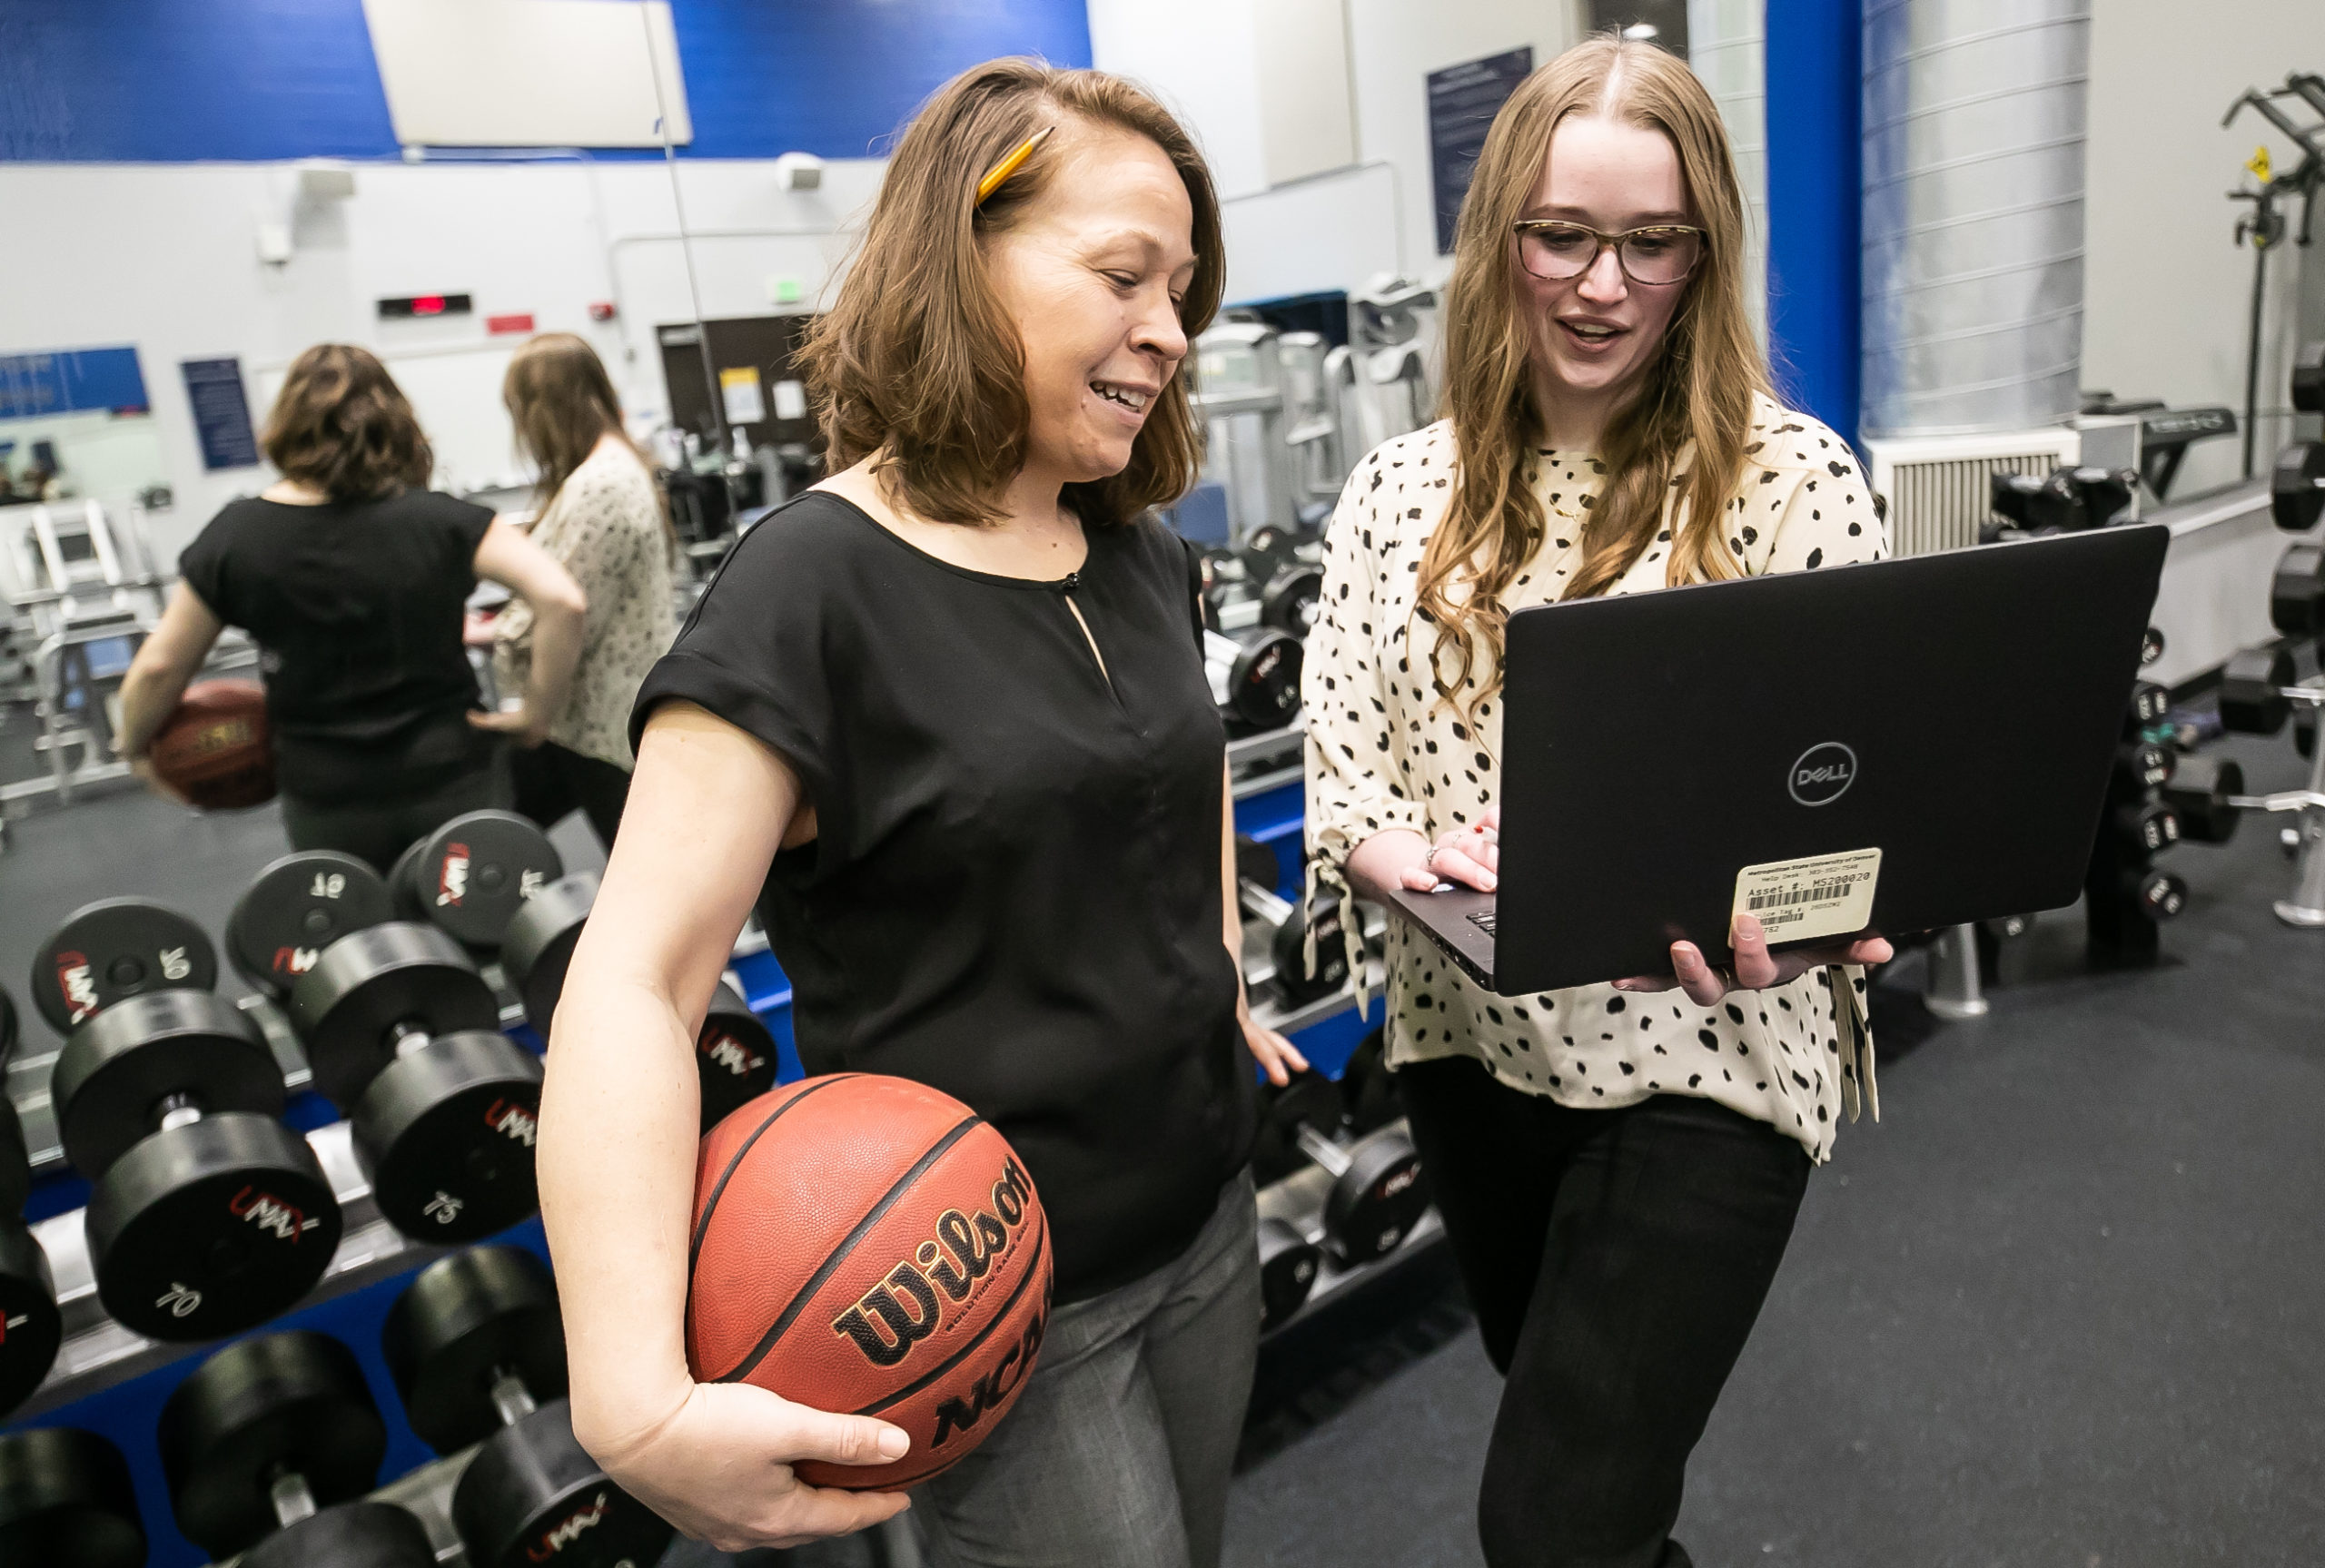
{"x":215,"y":748}
{"x":868,"y":1244}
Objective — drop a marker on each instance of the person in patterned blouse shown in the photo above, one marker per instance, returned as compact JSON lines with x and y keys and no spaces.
{"x":602,"y":519}
{"x":1618,"y":1165}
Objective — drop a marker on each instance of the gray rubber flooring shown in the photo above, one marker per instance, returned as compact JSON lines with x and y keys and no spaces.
{"x":2064,"y":1308}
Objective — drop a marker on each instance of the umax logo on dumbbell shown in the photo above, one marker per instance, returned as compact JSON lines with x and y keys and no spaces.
{"x":283,"y":1222}
{"x":510,"y":1119}
{"x":452,"y":876}
{"x":563,"y":1534}
{"x":729,"y":1053}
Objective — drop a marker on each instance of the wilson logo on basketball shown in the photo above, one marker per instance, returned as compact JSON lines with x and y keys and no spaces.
{"x":903,"y":1309}
{"x":225,"y":734}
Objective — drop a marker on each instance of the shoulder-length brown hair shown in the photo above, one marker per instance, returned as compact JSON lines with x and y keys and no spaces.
{"x":917,"y":357}
{"x":1697,"y":391}
{"x":341,"y":424}
{"x":563,"y":403}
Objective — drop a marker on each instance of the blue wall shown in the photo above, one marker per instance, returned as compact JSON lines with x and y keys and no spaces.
{"x":185,"y":81}
{"x":1814,"y":159}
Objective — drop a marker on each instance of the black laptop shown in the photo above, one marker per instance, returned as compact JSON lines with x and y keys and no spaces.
{"x":1895,"y":747}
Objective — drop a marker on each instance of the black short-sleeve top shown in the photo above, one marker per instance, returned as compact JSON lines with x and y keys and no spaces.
{"x":1014,"y":895}
{"x":356,"y":607}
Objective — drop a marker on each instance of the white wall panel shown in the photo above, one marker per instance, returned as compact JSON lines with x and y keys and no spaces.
{"x":528,"y":73}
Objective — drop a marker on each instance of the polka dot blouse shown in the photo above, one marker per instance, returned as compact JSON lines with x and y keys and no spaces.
{"x":604,"y":525}
{"x":1383,"y":752}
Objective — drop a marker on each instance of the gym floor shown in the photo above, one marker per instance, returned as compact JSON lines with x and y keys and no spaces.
{"x":2057,"y":1310}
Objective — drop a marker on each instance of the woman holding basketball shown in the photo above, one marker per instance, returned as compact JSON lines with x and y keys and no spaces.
{"x":948,"y":708}
{"x":1617,"y":1167}
{"x":351,"y":576}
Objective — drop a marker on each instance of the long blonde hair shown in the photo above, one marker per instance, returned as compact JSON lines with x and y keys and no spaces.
{"x":1697,"y":390}
{"x":563,"y":403}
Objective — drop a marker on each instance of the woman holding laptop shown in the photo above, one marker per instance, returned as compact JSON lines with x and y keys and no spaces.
{"x":1619,"y":1165}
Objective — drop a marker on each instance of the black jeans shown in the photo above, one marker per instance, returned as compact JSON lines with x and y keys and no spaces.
{"x":551,"y":781}
{"x":1616,"y":1260}
{"x":378,"y":831}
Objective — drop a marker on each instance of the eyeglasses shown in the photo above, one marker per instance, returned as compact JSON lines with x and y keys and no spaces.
{"x":1557,"y":253}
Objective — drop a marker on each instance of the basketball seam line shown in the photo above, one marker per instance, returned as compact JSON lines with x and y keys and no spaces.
{"x":839,"y":1254}
{"x":702,"y":1227}
{"x":969,"y":1349}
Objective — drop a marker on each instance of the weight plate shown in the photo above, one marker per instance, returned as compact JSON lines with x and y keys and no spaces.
{"x":1373,"y":1205}
{"x":116,"y":1069}
{"x":294,"y":1402}
{"x":1288,"y":1265}
{"x":66,"y":1498}
{"x":366,"y":1535}
{"x":370,"y":984}
{"x":2297,"y":487}
{"x":532,"y":1496}
{"x":16,"y":1163}
{"x":1264,"y":682}
{"x":212,"y":1227}
{"x":116,"y":947}
{"x":462,"y":1322}
{"x":734,"y":1053}
{"x":538,"y":944}
{"x":298,"y":906}
{"x":403,"y":885}
{"x":31,"y":1327}
{"x":473,"y":873}
{"x":446,"y":1136}
{"x":1289,"y":601}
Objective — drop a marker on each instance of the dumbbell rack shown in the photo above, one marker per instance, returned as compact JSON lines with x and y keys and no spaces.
{"x":1297,"y":1199}
{"x":2306,"y":907}
{"x":98,"y":1352}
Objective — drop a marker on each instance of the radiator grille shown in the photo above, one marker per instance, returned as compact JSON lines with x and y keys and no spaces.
{"x":1939,"y":490}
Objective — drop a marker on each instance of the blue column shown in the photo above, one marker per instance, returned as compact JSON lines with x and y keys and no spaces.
{"x":1815,"y":73}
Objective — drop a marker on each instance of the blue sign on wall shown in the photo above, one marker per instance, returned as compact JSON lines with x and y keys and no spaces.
{"x":222,"y":413}
{"x":71,"y":381}
{"x":1462,"y":102}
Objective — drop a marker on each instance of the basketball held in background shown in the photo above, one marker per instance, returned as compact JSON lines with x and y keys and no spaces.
{"x":215,"y":749}
{"x":868,"y":1244}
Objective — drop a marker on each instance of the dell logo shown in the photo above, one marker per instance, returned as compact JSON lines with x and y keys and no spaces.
{"x":1821,"y":774}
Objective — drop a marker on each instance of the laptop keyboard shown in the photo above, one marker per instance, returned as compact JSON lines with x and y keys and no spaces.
{"x":1483,"y":920}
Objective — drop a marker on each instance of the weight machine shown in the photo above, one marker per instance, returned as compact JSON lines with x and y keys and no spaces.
{"x":2265,"y":224}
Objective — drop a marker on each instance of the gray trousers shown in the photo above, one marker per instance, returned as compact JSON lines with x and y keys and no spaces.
{"x":1117,"y":1453}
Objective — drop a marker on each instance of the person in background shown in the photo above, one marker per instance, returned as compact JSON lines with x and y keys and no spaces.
{"x":352,"y":577}
{"x":602,"y":520}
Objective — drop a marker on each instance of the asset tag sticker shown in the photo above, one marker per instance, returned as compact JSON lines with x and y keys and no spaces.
{"x":1824,"y":895}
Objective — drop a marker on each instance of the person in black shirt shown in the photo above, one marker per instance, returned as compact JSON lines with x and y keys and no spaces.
{"x":352,"y":577}
{"x":944,"y":719}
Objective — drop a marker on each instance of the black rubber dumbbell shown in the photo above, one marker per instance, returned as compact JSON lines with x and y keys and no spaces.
{"x":2202,"y":791}
{"x":295,"y":908}
{"x":1368,"y":1088}
{"x":2297,"y":593}
{"x":2142,"y":765}
{"x":1289,"y":1264}
{"x":1378,"y":1191}
{"x":31,"y":1329}
{"x":2297,"y":487}
{"x":1292,"y":597}
{"x":2151,"y":826}
{"x":2161,"y":895}
{"x":1254,"y":676}
{"x":472,"y":875}
{"x":1287,"y":927}
{"x":269,"y":1448}
{"x":443,"y":1109}
{"x":206,"y":1215}
{"x":65,"y":1499}
{"x":477,"y":1352}
{"x":734,"y":1051}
